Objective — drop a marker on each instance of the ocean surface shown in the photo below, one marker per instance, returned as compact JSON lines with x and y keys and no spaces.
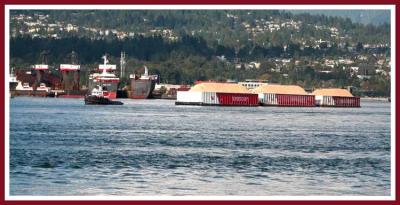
{"x":152,"y":147}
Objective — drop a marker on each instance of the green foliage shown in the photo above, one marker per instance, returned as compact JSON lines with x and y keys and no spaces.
{"x":202,"y":36}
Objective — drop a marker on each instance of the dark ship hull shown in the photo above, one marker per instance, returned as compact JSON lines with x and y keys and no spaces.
{"x":39,"y":78}
{"x":13,"y":85}
{"x":34,"y":93}
{"x":141,"y":88}
{"x":95,"y":100}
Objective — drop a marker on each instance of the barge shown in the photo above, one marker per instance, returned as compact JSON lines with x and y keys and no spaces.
{"x":284,"y":95}
{"x":333,"y":97}
{"x":217,"y":94}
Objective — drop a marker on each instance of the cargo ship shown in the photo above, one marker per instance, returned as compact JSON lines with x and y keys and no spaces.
{"x":143,"y":86}
{"x":106,"y":78}
{"x":38,"y":81}
{"x":70,"y":79}
{"x":29,"y":85}
{"x":40,"y":70}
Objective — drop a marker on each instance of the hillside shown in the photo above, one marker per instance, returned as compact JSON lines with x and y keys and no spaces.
{"x":226,"y":27}
{"x":185,"y":46}
{"x":375,"y":17}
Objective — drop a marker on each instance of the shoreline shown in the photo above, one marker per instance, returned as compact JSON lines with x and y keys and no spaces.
{"x":375,"y":98}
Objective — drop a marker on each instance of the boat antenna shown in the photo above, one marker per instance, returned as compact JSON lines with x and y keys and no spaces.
{"x":146,"y":71}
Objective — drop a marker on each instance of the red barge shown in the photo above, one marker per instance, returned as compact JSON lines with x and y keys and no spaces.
{"x":219,"y":94}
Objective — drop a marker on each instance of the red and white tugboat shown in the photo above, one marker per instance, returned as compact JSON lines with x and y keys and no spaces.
{"x":100,"y":96}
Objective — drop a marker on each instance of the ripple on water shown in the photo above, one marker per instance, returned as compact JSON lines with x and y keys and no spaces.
{"x":156,"y":148}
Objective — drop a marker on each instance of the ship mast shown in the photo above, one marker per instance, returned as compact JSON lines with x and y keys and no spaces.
{"x":43,"y":57}
{"x":74,"y":58}
{"x":105,"y":63}
{"x":146,"y":71}
{"x":122,"y":64}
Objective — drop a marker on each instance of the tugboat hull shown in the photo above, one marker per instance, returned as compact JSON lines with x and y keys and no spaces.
{"x":95,"y":100}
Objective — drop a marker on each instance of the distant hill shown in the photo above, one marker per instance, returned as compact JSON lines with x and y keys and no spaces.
{"x":183,"y":46}
{"x":376,"y":17}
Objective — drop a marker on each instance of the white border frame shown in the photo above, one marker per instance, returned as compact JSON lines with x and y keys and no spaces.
{"x":392,"y":9}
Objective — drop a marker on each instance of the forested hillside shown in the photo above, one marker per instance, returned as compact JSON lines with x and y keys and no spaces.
{"x":375,"y":17}
{"x":184,"y":46}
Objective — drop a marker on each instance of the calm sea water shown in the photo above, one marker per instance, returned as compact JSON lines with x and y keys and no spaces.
{"x":152,"y":147}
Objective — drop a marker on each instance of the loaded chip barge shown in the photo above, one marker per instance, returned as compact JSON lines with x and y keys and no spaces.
{"x":284,"y":95}
{"x":217,"y":94}
{"x":333,"y":97}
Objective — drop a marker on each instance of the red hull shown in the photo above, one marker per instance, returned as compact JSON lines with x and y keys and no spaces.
{"x":139,"y":97}
{"x":296,"y":100}
{"x":237,"y":99}
{"x":111,"y":95}
{"x":339,"y":101}
{"x":346,"y":101}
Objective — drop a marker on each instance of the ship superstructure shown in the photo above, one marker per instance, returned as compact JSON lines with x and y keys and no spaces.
{"x":40,"y":70}
{"x":105,"y":77}
{"x":70,"y":74}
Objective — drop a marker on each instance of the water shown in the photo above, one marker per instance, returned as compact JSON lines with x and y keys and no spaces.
{"x":152,"y":147}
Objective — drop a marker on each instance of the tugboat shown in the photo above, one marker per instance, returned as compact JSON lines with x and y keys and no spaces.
{"x":100,"y":96}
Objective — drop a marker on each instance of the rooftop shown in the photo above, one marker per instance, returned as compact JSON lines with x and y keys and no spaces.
{"x":281,"y":89}
{"x":333,"y":92}
{"x":220,"y":88}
